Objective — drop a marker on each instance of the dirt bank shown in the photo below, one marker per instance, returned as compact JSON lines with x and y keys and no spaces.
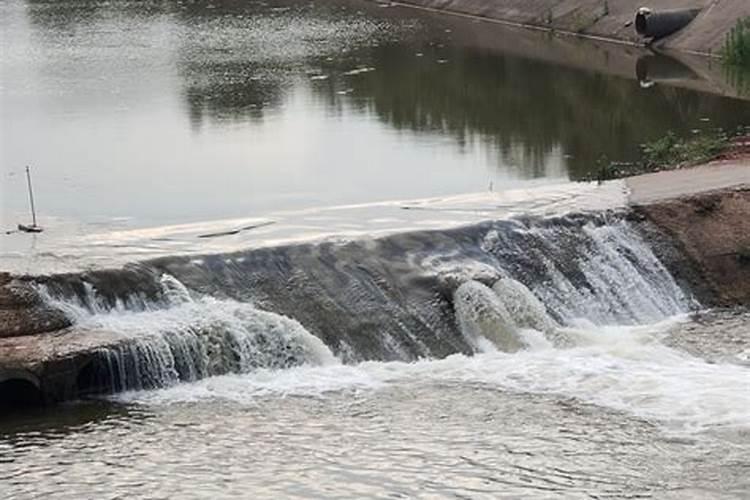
{"x":609,"y":19}
{"x":705,"y":213}
{"x":712,"y":231}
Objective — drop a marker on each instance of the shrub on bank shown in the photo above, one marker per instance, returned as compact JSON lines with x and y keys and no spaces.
{"x":672,"y":151}
{"x":736,"y":49}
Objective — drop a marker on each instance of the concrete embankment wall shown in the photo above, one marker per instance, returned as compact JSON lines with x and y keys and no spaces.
{"x":611,"y":19}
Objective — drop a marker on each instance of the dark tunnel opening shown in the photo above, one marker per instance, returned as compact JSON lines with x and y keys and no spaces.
{"x":18,"y":392}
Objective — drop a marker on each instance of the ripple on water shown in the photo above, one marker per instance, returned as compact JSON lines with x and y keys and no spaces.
{"x":411,"y":438}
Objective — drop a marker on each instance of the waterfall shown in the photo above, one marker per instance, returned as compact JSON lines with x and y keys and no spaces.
{"x":408,"y":296}
{"x":482,"y":317}
{"x":187,"y":340}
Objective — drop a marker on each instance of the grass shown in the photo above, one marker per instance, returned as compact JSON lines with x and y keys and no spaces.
{"x":668,"y":153}
{"x":736,"y":48}
{"x":672,"y":151}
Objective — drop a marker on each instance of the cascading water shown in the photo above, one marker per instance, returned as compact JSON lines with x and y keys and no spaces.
{"x":403,"y":297}
{"x":602,"y":271}
{"x":482,"y":317}
{"x":187,"y":340}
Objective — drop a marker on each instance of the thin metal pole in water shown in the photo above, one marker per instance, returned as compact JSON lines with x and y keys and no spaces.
{"x":31,"y":197}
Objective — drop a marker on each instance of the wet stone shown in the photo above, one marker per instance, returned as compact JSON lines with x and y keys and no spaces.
{"x":31,"y":321}
{"x":22,"y":311}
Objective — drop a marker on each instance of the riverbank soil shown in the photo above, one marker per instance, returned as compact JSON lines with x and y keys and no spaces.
{"x":713,"y":227}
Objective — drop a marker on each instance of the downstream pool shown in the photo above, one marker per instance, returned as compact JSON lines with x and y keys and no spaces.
{"x":621,"y":415}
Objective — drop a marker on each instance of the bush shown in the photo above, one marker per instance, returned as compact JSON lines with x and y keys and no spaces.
{"x":671,"y":151}
{"x":736,"y":49}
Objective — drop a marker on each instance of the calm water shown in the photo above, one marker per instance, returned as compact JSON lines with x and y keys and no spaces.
{"x":137,"y":114}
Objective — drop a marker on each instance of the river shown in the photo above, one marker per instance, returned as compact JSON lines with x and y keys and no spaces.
{"x":543,"y":356}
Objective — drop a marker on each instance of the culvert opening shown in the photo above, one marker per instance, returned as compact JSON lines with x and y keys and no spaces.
{"x":641,"y":23}
{"x":18,"y":392}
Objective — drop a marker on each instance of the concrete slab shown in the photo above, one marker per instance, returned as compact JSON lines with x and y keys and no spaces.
{"x":661,"y":186}
{"x":606,"y":19}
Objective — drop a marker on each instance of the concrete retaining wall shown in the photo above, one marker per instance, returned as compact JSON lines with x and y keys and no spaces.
{"x":611,"y":19}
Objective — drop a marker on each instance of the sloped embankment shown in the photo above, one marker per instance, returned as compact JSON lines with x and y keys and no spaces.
{"x":611,"y":19}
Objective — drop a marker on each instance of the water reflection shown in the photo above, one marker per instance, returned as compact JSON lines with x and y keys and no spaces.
{"x":285,"y":104}
{"x":506,"y":100}
{"x":53,"y":423}
{"x":658,"y":67}
{"x":739,"y":78}
{"x":525,"y":110}
{"x":237,"y":96}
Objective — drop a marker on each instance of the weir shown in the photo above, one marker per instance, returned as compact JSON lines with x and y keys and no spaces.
{"x":505,"y":284}
{"x":406,"y":296}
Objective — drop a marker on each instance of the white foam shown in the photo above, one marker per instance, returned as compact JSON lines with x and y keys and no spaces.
{"x":621,"y":368}
{"x":525,"y":309}
{"x":188,"y":339}
{"x":484,"y":320}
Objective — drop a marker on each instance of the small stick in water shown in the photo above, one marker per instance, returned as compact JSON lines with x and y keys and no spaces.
{"x":33,"y":228}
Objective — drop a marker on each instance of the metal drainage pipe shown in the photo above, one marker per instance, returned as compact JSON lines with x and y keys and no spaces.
{"x":658,"y":24}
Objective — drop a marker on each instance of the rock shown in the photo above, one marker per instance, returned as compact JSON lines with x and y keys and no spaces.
{"x":30,"y":321}
{"x":23,"y":312}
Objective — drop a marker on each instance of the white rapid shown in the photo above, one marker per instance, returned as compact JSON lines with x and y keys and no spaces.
{"x":484,"y":320}
{"x":623,"y":368}
{"x":188,"y":340}
{"x":605,"y":273}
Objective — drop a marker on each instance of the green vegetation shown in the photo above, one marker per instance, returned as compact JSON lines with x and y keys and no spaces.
{"x":670,"y":152}
{"x":739,"y":78}
{"x":736,"y":49}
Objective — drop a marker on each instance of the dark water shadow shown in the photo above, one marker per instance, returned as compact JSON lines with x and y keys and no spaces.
{"x":58,"y":421}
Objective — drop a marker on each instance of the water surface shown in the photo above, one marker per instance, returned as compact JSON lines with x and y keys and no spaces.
{"x":138,"y":114}
{"x":216,"y":117}
{"x":618,"y":416}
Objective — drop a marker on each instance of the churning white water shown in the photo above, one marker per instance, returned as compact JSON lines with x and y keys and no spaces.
{"x":622,"y":368}
{"x":243,"y":352}
{"x":190,"y":339}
